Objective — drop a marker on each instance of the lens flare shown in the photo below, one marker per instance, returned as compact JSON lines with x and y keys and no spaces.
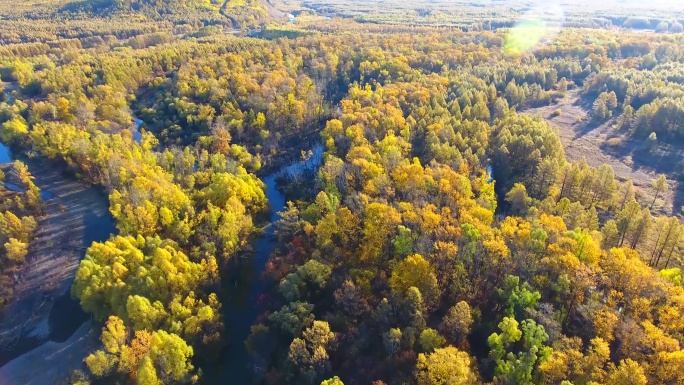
{"x":538,"y":26}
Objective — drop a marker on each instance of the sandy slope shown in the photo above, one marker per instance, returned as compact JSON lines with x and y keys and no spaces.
{"x":76,"y":215}
{"x":51,"y":362}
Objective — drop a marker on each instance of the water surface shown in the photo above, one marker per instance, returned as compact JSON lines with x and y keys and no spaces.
{"x":241,"y":309}
{"x":5,"y":154}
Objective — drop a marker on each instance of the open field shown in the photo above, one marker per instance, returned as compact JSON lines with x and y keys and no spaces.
{"x":629,"y":157}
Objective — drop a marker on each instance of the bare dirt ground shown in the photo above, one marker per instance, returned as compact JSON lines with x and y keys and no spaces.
{"x":63,"y":233}
{"x":51,"y":362}
{"x":75,"y":215}
{"x":273,"y":12}
{"x":630,"y":158}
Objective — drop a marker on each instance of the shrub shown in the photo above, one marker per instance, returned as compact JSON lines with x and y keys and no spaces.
{"x":614,"y":142}
{"x":556,"y":112}
{"x":652,"y":141}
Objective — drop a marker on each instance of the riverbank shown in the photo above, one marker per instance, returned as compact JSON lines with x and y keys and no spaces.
{"x":76,"y":214}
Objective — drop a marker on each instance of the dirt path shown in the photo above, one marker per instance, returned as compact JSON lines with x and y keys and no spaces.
{"x":629,"y":158}
{"x":75,"y":215}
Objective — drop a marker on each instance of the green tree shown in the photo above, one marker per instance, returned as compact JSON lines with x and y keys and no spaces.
{"x":392,"y":341}
{"x":628,"y":193}
{"x":293,"y":317}
{"x":481,"y":112}
{"x":652,"y":141}
{"x":518,"y":297}
{"x":668,"y":234}
{"x":308,"y":355}
{"x":288,"y":226}
{"x":627,"y":220}
{"x":431,"y":340}
{"x":307,"y":280}
{"x":519,"y":200}
{"x":403,"y":242}
{"x":518,"y":367}
{"x":457,"y":323}
{"x":659,"y":187}
{"x":611,"y":235}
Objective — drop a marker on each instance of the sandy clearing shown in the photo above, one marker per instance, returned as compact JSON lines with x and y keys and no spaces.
{"x":630,"y":158}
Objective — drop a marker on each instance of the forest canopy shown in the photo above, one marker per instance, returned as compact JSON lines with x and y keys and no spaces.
{"x":436,"y":227}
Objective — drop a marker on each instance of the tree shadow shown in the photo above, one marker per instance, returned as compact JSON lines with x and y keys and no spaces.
{"x":665,"y":158}
{"x":587,"y":127}
{"x":85,"y":6}
{"x":585,"y":103}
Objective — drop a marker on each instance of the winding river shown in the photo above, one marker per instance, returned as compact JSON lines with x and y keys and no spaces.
{"x":240,"y":308}
{"x":57,"y":316}
{"x":240,"y":298}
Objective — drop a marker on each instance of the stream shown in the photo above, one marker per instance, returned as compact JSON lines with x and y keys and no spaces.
{"x":241,"y":309}
{"x":5,"y":154}
{"x":44,"y":322}
{"x":137,"y":135}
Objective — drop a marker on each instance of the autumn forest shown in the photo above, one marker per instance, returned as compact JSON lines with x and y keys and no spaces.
{"x":341,"y":192}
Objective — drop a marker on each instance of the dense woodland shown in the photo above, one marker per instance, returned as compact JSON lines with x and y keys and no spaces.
{"x":661,"y":16}
{"x":445,"y":239}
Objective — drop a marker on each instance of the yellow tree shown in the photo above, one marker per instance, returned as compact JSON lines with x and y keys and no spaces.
{"x":415,"y":271}
{"x":380,"y":222}
{"x":446,"y":366}
{"x":628,"y":373}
